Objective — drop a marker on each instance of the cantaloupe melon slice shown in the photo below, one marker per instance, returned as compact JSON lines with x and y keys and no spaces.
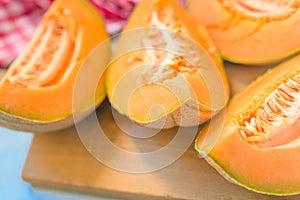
{"x":255,"y":142}
{"x":165,"y":65}
{"x":36,"y":92}
{"x":251,"y":31}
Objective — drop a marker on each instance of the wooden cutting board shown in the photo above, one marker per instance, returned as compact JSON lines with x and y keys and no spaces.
{"x":59,"y":160}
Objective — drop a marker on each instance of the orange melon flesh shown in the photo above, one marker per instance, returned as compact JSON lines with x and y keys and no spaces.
{"x":250,"y":32}
{"x":164,"y":59}
{"x":38,"y":86}
{"x":255,"y":142}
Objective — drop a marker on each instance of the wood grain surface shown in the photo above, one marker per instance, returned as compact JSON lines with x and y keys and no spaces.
{"x":59,"y":160}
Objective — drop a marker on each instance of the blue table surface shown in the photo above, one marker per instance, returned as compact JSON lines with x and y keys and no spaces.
{"x":14,"y":147}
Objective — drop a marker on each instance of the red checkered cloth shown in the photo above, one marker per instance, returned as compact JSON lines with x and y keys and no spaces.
{"x":19,"y":18}
{"x":115,"y":12}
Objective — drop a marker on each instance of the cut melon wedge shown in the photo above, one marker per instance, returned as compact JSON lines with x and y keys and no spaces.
{"x":251,"y":32}
{"x":255,"y":141}
{"x":36,"y":92}
{"x":166,"y":68}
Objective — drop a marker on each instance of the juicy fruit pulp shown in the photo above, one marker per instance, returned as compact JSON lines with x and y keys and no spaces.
{"x":258,"y":146}
{"x":251,"y":32}
{"x":165,"y":65}
{"x":38,"y":87}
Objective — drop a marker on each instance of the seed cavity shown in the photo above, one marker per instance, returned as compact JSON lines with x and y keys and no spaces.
{"x":44,"y":57}
{"x":167,"y":49}
{"x":279,"y":108}
{"x":157,"y":74}
{"x":267,"y":10}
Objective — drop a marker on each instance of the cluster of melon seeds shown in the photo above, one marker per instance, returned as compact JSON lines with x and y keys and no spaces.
{"x":280,"y":108}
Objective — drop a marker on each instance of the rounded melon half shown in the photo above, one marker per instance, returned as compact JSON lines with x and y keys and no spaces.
{"x":166,"y":67}
{"x":251,"y":32}
{"x":36,"y":92}
{"x":255,"y":142}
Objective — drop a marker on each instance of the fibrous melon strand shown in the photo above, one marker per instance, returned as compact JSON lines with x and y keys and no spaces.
{"x":164,"y":61}
{"x":44,"y":57}
{"x":268,"y":10}
{"x":279,"y":108}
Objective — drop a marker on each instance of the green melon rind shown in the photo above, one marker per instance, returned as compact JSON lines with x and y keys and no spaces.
{"x":121,"y":111}
{"x":260,"y":62}
{"x":229,"y":176}
{"x":23,"y":124}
